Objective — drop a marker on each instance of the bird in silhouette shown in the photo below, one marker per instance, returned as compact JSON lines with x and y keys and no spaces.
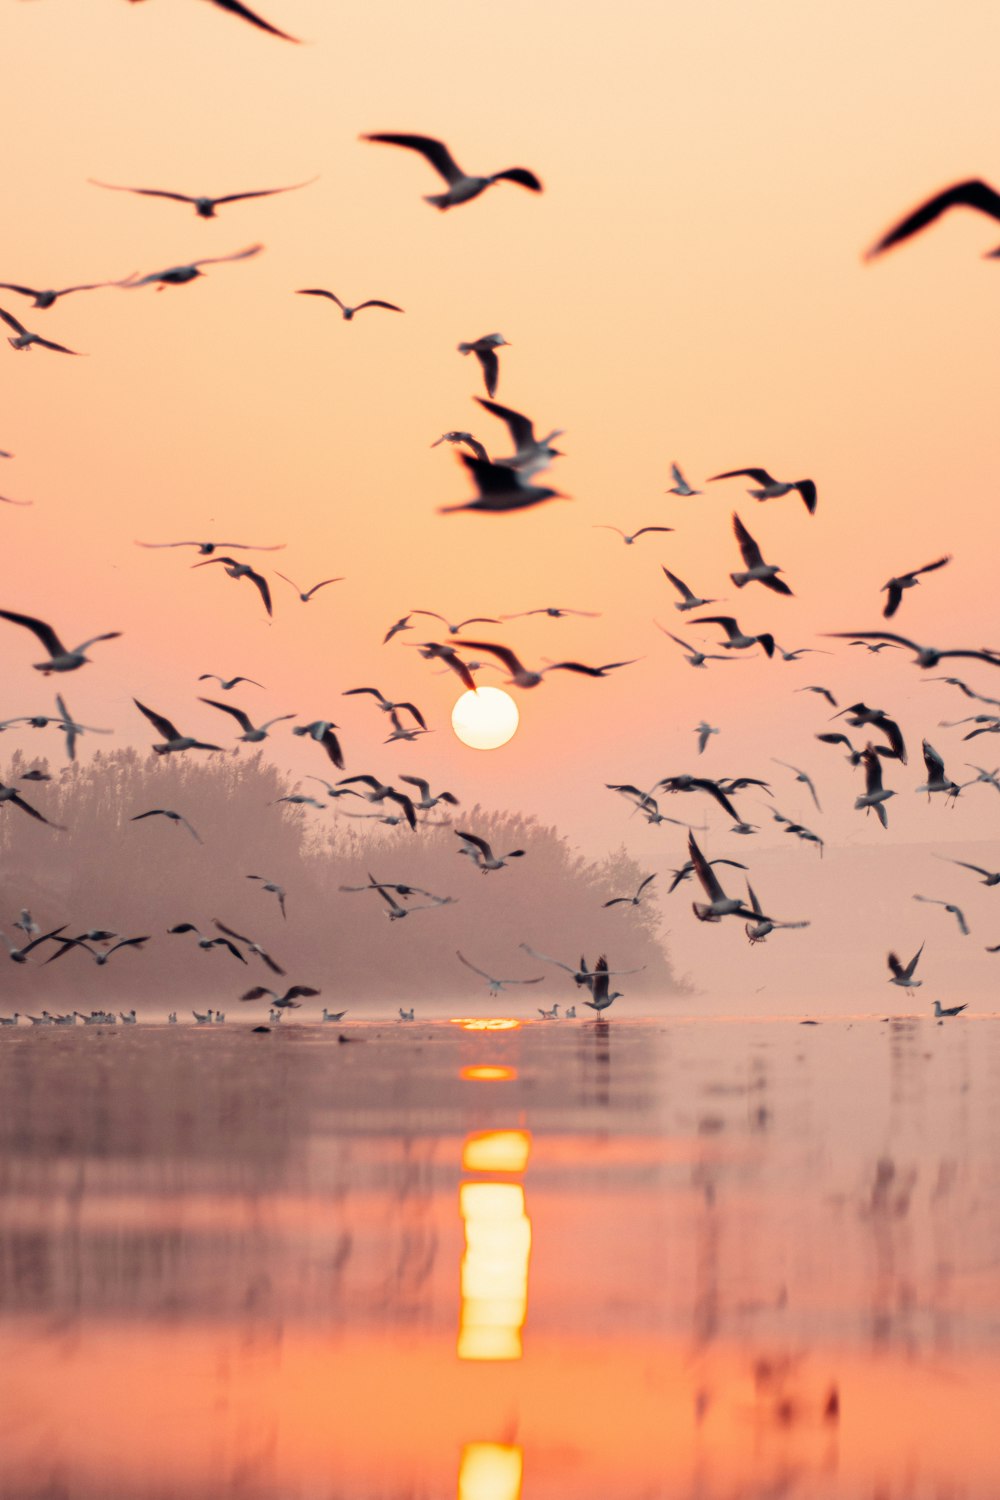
{"x":203,"y":206}
{"x":875,"y":794}
{"x":973,"y":193}
{"x":252,"y":734}
{"x":633,"y":900}
{"x":306,"y":594}
{"x":462,"y":187}
{"x":273,"y":889}
{"x":680,"y":485}
{"x":736,"y":639}
{"x":173,"y":740}
{"x":500,"y":489}
{"x":181,"y":275}
{"x":896,"y":586}
{"x":236,"y":569}
{"x":496,"y":986}
{"x":482,"y":855}
{"x":23,"y":340}
{"x":770,"y":488}
{"x":60,"y":659}
{"x":178,"y":820}
{"x":689,"y":600}
{"x":321,"y":730}
{"x":287,"y":1001}
{"x":949,"y":906}
{"x":44,"y":298}
{"x":630,"y":538}
{"x":346,"y":311}
{"x":757,"y":570}
{"x":531,"y":454}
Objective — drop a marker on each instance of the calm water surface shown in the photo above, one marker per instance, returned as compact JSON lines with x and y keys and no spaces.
{"x":554,"y":1260}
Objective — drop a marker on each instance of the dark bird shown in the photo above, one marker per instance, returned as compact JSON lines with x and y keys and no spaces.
{"x":60,"y":660}
{"x":386,"y":704}
{"x":174,"y":741}
{"x":306,"y":595}
{"x":875,"y":795}
{"x":181,"y":275}
{"x":274,"y":889}
{"x":46,"y":298}
{"x":634,"y":900}
{"x":823,"y":692}
{"x":937,"y":778}
{"x":348,"y":312}
{"x":531,"y":454}
{"x":252,"y":734}
{"x":208,"y":548}
{"x":990,"y":877}
{"x":600,"y":995}
{"x":204,"y":207}
{"x":206,"y":942}
{"x":771,"y":488}
{"x":461,"y":187}
{"x":688,"y":599}
{"x":20,"y":955}
{"x":236,"y":569}
{"x":926,"y":656}
{"x":227,"y":684}
{"x":403,"y":623}
{"x":861,"y":714}
{"x":435,"y":651}
{"x":485,"y":349}
{"x":687,"y":870}
{"x":685,"y":783}
{"x":552,"y":612}
{"x":381,"y":791}
{"x":176,"y":818}
{"x":250,"y":946}
{"x":457,"y":629}
{"x":736,"y":639}
{"x":500,"y":488}
{"x":100,"y":956}
{"x":971,"y":194}
{"x":12,"y":795}
{"x":895,"y":586}
{"x":955,"y":911}
{"x":719,"y":905}
{"x":287,"y":1001}
{"x":695,"y":658}
{"x":481,"y":853}
{"x":427,"y":802}
{"x":237,"y":8}
{"x":757,"y":570}
{"x":321,"y":730}
{"x":23,"y":339}
{"x":903,"y":975}
{"x":522,"y":677}
{"x":630,"y":538}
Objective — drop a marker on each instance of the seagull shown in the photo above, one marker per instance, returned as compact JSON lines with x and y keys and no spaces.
{"x":251,"y":946}
{"x":463,"y":437}
{"x":321,"y":730}
{"x":704,"y":732}
{"x":381,"y":791}
{"x":46,"y":298}
{"x":204,"y":207}
{"x":695,"y":658}
{"x":956,"y":912}
{"x":532,"y":454}
{"x":347,"y":312}
{"x":485,"y":350}
{"x":251,"y":734}
{"x":100,"y":958}
{"x":940,"y":1011}
{"x":23,"y":339}
{"x":926,"y":656}
{"x":635,"y":900}
{"x":434,"y":651}
{"x":806,"y":834}
{"x":862,"y":714}
{"x":500,"y":489}
{"x":884,"y":646}
{"x":581,"y":976}
{"x":762,"y":926}
{"x":801,"y":776}
{"x":771,"y":488}
{"x":385,"y":704}
{"x":757,"y":570}
{"x":173,"y":739}
{"x":180,"y":275}
{"x":680,"y":485}
{"x":403,"y":623}
{"x":461,"y":187}
{"x":822,"y":691}
{"x":719,"y":905}
{"x":937,"y":779}
{"x":973,"y":193}
{"x":400,"y":732}
{"x":207,"y":942}
{"x":737,"y":641}
{"x":174,"y":817}
{"x":875,"y":795}
{"x":335,"y":1015}
{"x":406,"y":1015}
{"x":26,"y":924}
{"x":60,"y":660}
{"x":895,"y":586}
{"x":12,"y":795}
{"x":687,"y":870}
{"x":688,"y":599}
{"x":904,"y":977}
{"x":20,"y":955}
{"x":629,"y":539}
{"x":989,"y":778}
{"x":553,"y":614}
{"x":957,"y":682}
{"x":481,"y":853}
{"x":206,"y":549}
{"x":236,"y":569}
{"x":989,"y":724}
{"x":306,"y":595}
{"x":457,"y":629}
{"x":646,"y":804}
{"x":990,"y":877}
{"x":496,"y":985}
{"x":522,"y":677}
{"x":426,"y":801}
{"x":685,"y":783}
{"x":299,"y":800}
{"x":600,"y":998}
{"x":287,"y":1001}
{"x":549,"y":1015}
{"x":227,"y":684}
{"x":275,"y":890}
{"x":65,"y":722}
{"x":799,"y":651}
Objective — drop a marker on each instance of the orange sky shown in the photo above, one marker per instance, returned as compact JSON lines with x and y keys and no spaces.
{"x":689,"y":286}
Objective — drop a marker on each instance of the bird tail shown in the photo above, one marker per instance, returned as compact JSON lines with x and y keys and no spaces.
{"x":462,"y":348}
{"x":702,"y":912}
{"x":439,"y":200}
{"x":740,"y":579}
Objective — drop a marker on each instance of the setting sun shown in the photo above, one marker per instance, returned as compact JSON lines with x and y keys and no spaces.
{"x":486,"y":719}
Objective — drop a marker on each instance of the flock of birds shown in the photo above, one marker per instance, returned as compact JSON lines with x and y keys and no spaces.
{"x":502,"y":485}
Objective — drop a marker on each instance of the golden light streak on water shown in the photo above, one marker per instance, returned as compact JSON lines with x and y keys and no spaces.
{"x":490,"y":1023}
{"x":494,"y":1277}
{"x":497,"y":1151}
{"x":489,"y":1074}
{"x":490,"y":1471}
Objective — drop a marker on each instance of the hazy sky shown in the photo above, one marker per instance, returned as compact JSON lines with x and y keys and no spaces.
{"x":690,"y":286}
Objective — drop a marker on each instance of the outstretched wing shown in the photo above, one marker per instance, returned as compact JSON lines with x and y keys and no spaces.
{"x":433,"y":151}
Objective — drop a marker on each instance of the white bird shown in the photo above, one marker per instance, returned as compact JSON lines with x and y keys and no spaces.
{"x":570,"y":1013}
{"x":334,"y":1015}
{"x":485,"y":350}
{"x":719,"y":905}
{"x":875,"y":795}
{"x":550,"y":1015}
{"x":306,"y":594}
{"x":461,"y":186}
{"x":496,"y":985}
{"x":940,"y":1011}
{"x":10,"y":1020}
{"x":401,"y":732}
{"x":176,"y":818}
{"x":695,"y":658}
{"x":762,"y":926}
{"x":636,"y":899}
{"x":704,"y":732}
{"x":179,"y":275}
{"x":688,"y":599}
{"x":680,"y":485}
{"x":481,"y":853}
{"x":406,"y":1015}
{"x":955,"y":911}
{"x":203,"y":206}
{"x":600,"y":997}
{"x":23,"y":339}
{"x":203,"y":1020}
{"x":531,"y":454}
{"x":174,"y":741}
{"x":903,"y":977}
{"x":252,"y":735}
{"x":801,"y":776}
{"x":736,"y":639}
{"x":895,"y":586}
{"x":346,"y":311}
{"x":26,"y":923}
{"x":500,"y":489}
{"x":236,"y":569}
{"x":629,"y":539}
{"x":274,"y":889}
{"x":60,"y":659}
{"x":771,"y":488}
{"x":757,"y":570}
{"x":937,"y":778}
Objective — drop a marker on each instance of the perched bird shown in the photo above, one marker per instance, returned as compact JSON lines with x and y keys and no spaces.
{"x":636,"y":899}
{"x":500,"y":489}
{"x":23,"y":339}
{"x":176,"y":818}
{"x":46,"y":298}
{"x":321,"y":730}
{"x":822,"y":691}
{"x":227,"y":684}
{"x":406,"y":1015}
{"x":481,"y":853}
{"x":207,"y":549}
{"x":955,"y":911}
{"x":904,"y":976}
{"x":206,"y":942}
{"x":875,"y":795}
{"x":600,"y":995}
{"x":180,"y":275}
{"x":347,"y":312}
{"x":680,"y":485}
{"x":719,"y":905}
{"x":485,"y":350}
{"x":695,"y":658}
{"x":236,"y":569}
{"x":895,"y":587}
{"x":306,"y":594}
{"x":737,"y":640}
{"x":937,"y":778}
{"x":771,"y":488}
{"x":704,"y":732}
{"x":761,"y":927}
{"x":940,"y":1011}
{"x":287,"y":1001}
{"x":386,"y":704}
{"x":461,"y":187}
{"x":435,"y":651}
{"x":275,"y":890}
{"x":203,"y":206}
{"x":990,"y":877}
{"x":861,"y":714}
{"x":688,"y":599}
{"x":973,"y":193}
{"x":174,"y":741}
{"x":252,"y":735}
{"x":60,"y":660}
{"x":549,"y":1015}
{"x":427,"y":802}
{"x":522,"y":677}
{"x":12,"y":795}
{"x":496,"y":985}
{"x":250,"y":946}
{"x":757,"y":570}
{"x":531,"y":454}
{"x":335,"y":1015}
{"x":456,"y":629}
{"x":630,"y":539}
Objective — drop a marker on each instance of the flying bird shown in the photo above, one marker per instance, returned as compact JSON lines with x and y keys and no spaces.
{"x":236,"y":569}
{"x":227,"y":684}
{"x":456,"y":629}
{"x":802,"y":776}
{"x":381,"y":791}
{"x":20,"y":955}
{"x":176,"y":818}
{"x":44,"y":298}
{"x":926,"y":656}
{"x":252,"y":735}
{"x":823,"y":692}
{"x":60,"y":660}
{"x":552,"y":612}
{"x":206,"y":549}
{"x":680,"y":485}
{"x":937,"y":778}
{"x":12,"y":795}
{"x":904,"y":976}
{"x":481,"y":853}
{"x":875,"y":796}
{"x":237,"y":8}
{"x":629,"y":539}
{"x":346,"y":311}
{"x":704,"y":731}
{"x":23,"y":339}
{"x":461,"y":187}
{"x":757,"y":570}
{"x":771,"y":488}
{"x":634,"y":900}
{"x":737,"y":640}
{"x":435,"y":651}
{"x":427,"y":802}
{"x":287,"y":1001}
{"x":531,"y":454}
{"x":687,"y":870}
{"x":485,"y":349}
{"x":895,"y":587}
{"x":685,"y":783}
{"x":321,"y":730}
{"x":173,"y":740}
{"x":522,"y":677}
{"x":275,"y":890}
{"x":719,"y":905}
{"x":386,"y":704}
{"x":974,"y":194}
{"x":100,"y":956}
{"x":861,"y":714}
{"x":600,"y":996}
{"x":203,"y":206}
{"x":990,"y":877}
{"x":250,"y":946}
{"x":500,"y":489}
{"x":206,"y":943}
{"x":956,"y":911}
{"x":496,"y":985}
{"x":761,"y":927}
{"x":695,"y":657}
{"x":306,"y":595}
{"x":581,"y":976}
{"x":688,"y":599}
{"x":465,"y":438}
{"x":180,"y":275}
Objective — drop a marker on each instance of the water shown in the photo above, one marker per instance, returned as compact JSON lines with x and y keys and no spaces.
{"x":638,"y":1259}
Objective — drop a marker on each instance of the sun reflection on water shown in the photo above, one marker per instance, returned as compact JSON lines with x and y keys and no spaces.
{"x":494,"y":1277}
{"x":490,"y":1471}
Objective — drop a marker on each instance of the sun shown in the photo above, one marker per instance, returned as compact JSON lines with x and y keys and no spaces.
{"x":486,"y":719}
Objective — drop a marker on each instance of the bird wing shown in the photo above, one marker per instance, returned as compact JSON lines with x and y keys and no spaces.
{"x":45,"y":633}
{"x":807,"y":490}
{"x":758,"y":909}
{"x":257,"y":992}
{"x":227,"y":708}
{"x":160,"y":724}
{"x":503,"y":653}
{"x":520,"y":175}
{"x":237,"y":8}
{"x":895,"y":591}
{"x":230,"y":933}
{"x":714,"y":790}
{"x":350,"y":693}
{"x":478,"y":620}
{"x":265,"y":592}
{"x":367,"y":780}
{"x":412,"y":709}
{"x":317,"y":586}
{"x":760,"y":476}
{"x":481,"y":972}
{"x":403,"y":801}
{"x":264,"y":192}
{"x":145,"y":192}
{"x":375,"y":302}
{"x":521,"y":428}
{"x":970,"y":194}
{"x":748,"y":547}
{"x":424,"y":786}
{"x":318,"y":291}
{"x":646,"y":882}
{"x":490,"y":367}
{"x":215,"y":260}
{"x":704,"y":872}
{"x":643,"y":529}
{"x":933,"y":762}
{"x":578,"y":666}
{"x":10,"y":319}
{"x":777,"y":586}
{"x":727,"y":622}
{"x":898,"y":972}
{"x":480,"y":844}
{"x":433,"y":151}
{"x":873,"y":770}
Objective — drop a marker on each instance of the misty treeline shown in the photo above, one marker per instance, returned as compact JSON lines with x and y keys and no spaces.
{"x":136,"y":878}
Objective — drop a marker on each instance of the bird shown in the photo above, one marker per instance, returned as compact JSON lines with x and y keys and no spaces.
{"x":180,"y":275}
{"x":955,"y":911}
{"x":287,"y":1001}
{"x":203,"y":206}
{"x":636,"y":899}
{"x":228,"y":683}
{"x":925,"y":656}
{"x":990,"y":877}
{"x":12,"y":795}
{"x":462,"y":187}
{"x":236,"y":569}
{"x":275,"y":890}
{"x":19,"y":955}
{"x":757,"y":570}
{"x":600,"y":996}
{"x":875,"y":795}
{"x":496,"y":985}
{"x":719,"y":905}
{"x":321,"y":730}
{"x":802,"y":776}
{"x":687,"y":870}
{"x":762,"y":926}
{"x":47,"y":298}
{"x":680,"y":485}
{"x":26,"y":924}
{"x":237,"y":8}
{"x":176,"y":818}
{"x":771,"y":488}
{"x":206,"y":942}
{"x":704,"y":732}
{"x":406,"y":1015}
{"x":485,"y":349}
{"x":23,"y":340}
{"x":427,"y":802}
{"x":335,"y":1015}
{"x":531,"y":454}
{"x":550,"y":1015}
{"x":823,"y":692}
{"x":481,"y":853}
{"x":695,"y":658}
{"x":645,"y":803}
{"x":306,"y":595}
{"x":904,"y":976}
{"x":688,"y":599}
{"x":435,"y":651}
{"x":60,"y":659}
{"x":522,"y":677}
{"x":569,"y":1014}
{"x":250,"y":945}
{"x":883,"y":646}
{"x":806,"y":834}
{"x":64,"y":721}
{"x":895,"y":586}
{"x":736,"y":639}
{"x":937,"y":778}
{"x":174,"y":741}
{"x":581,"y":976}
{"x":456,"y":629}
{"x":553,"y":614}
{"x":203,"y":1020}
{"x":629,"y":539}
{"x":380,"y":791}
{"x":298,"y":800}
{"x":207,"y":549}
{"x":386,"y":704}
{"x":973,"y":193}
{"x":799,"y":651}
{"x":940,"y":1011}
{"x":957,"y":682}
{"x":988,"y":778}
{"x":401,"y":731}
{"x":861,"y":714}
{"x":396,"y":912}
{"x":685,"y":783}
{"x":467,"y":439}
{"x":346,"y":312}
{"x":403,"y":623}
{"x":500,"y":489}
{"x":252,"y":734}
{"x":100,"y":957}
